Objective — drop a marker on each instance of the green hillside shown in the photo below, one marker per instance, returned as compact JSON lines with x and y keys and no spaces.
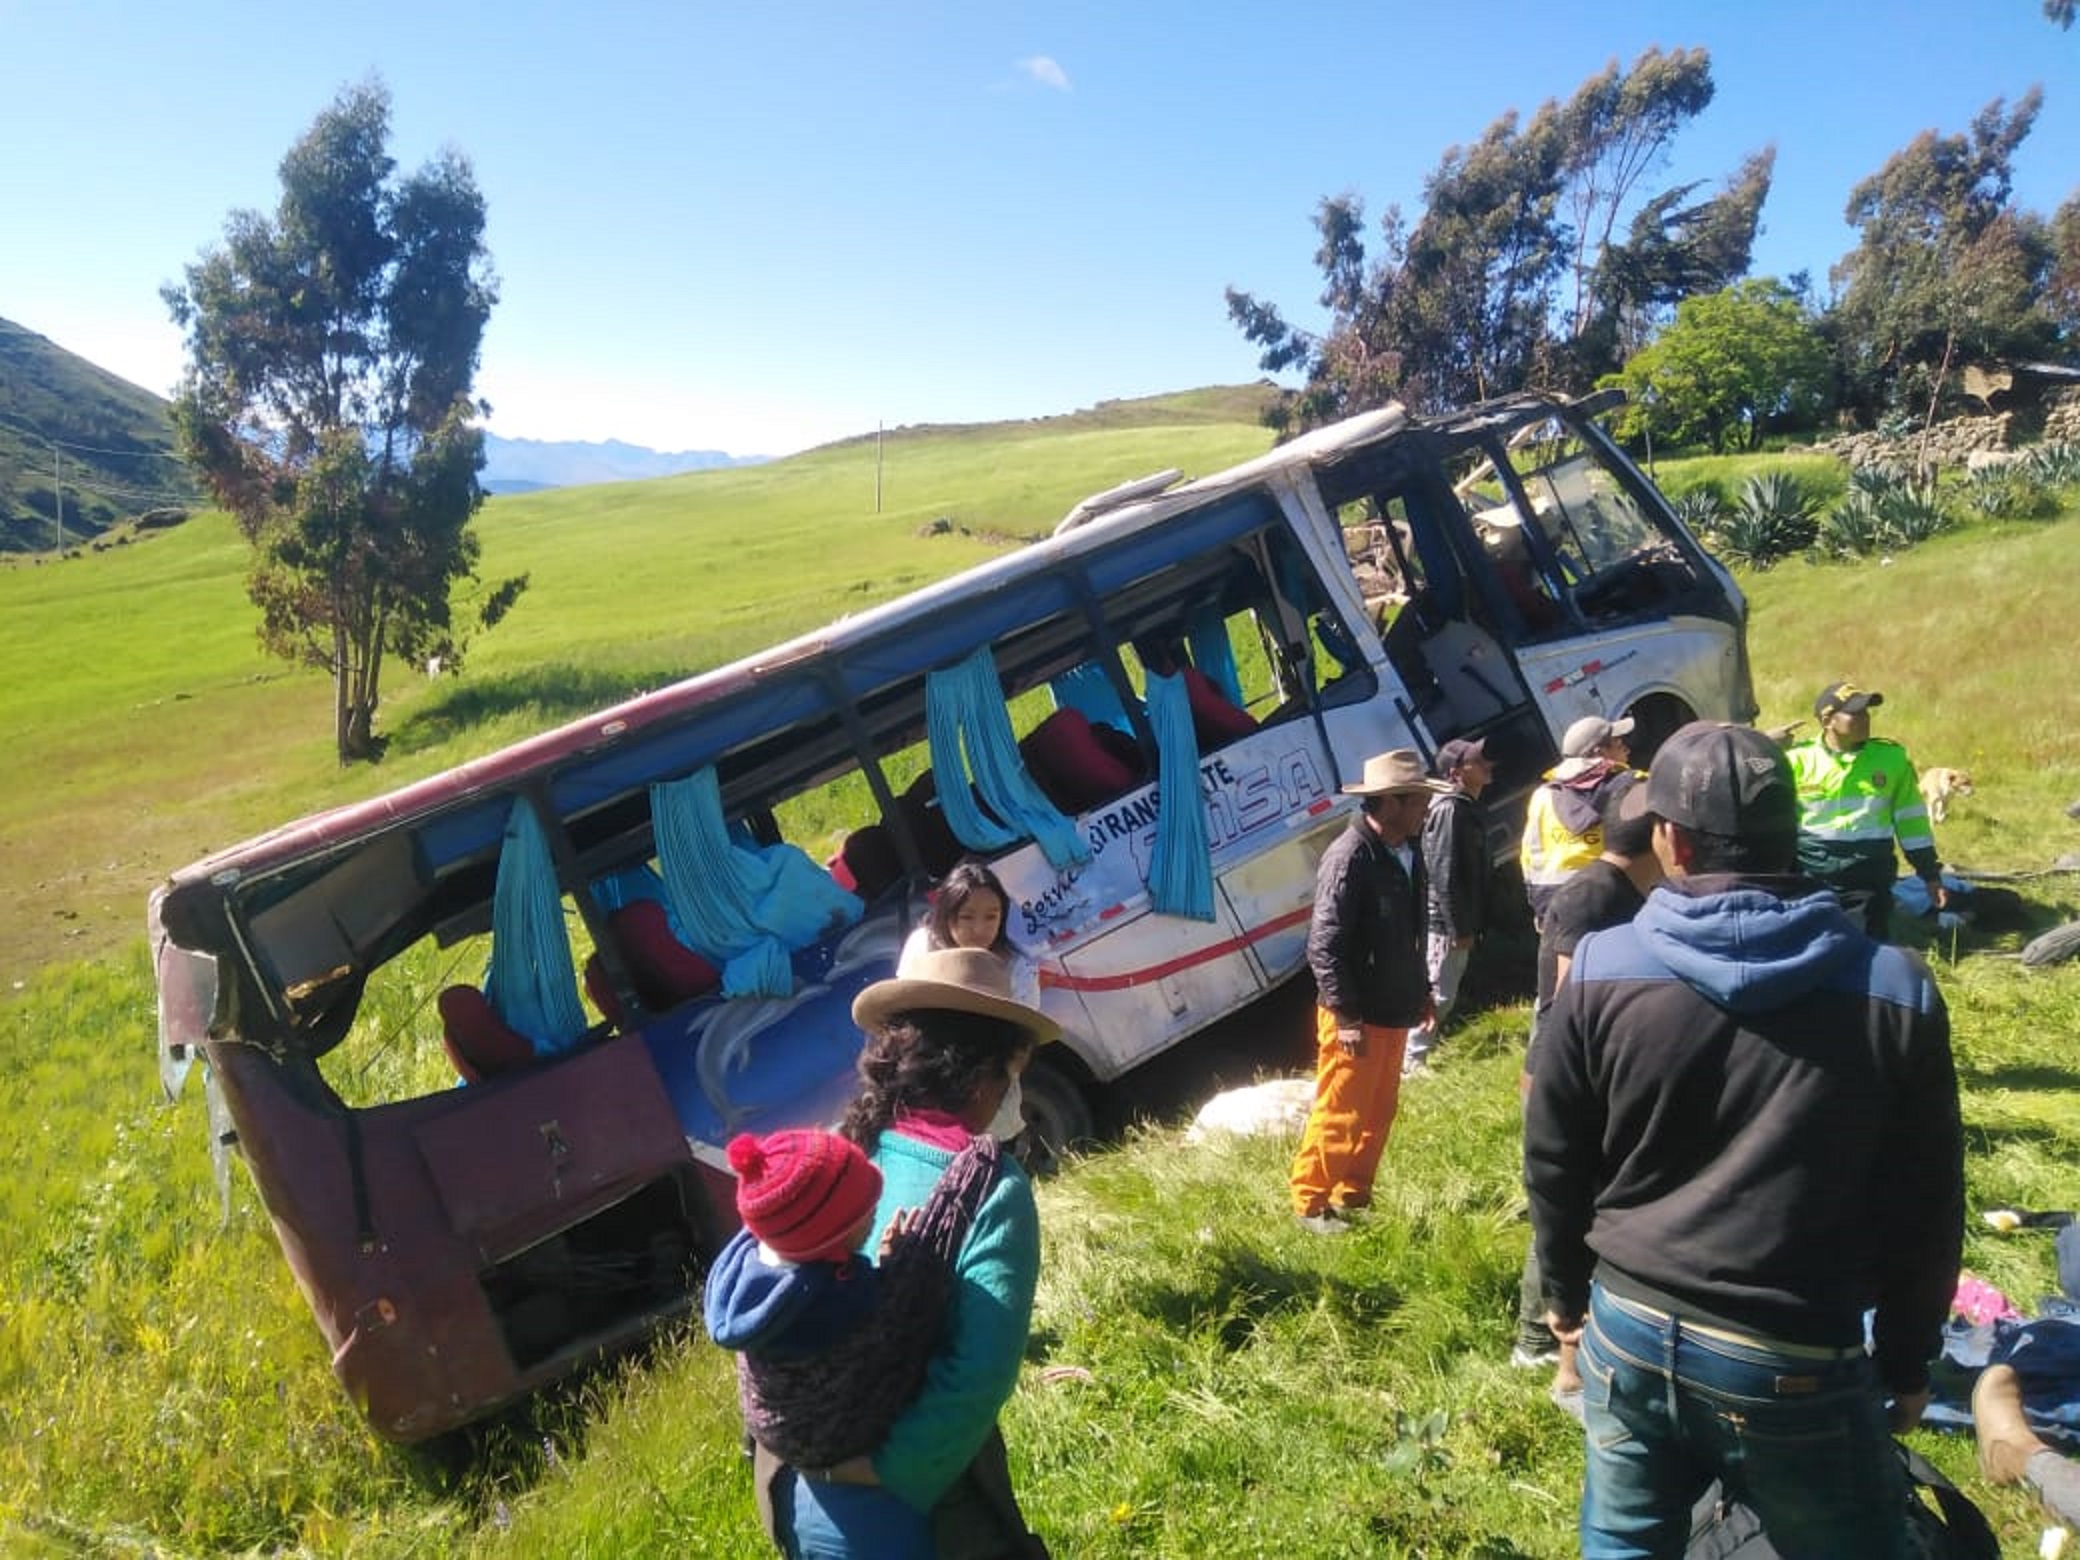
{"x":71,"y":430}
{"x":1204,"y":1378}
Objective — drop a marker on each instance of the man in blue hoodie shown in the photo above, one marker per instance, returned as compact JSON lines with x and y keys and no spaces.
{"x":1742,"y":1137}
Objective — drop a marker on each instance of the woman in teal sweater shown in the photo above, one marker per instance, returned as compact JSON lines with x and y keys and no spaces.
{"x":945,"y":1046}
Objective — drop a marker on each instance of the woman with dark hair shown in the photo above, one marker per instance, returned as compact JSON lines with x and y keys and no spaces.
{"x":945,"y":1046}
{"x":971,"y":909}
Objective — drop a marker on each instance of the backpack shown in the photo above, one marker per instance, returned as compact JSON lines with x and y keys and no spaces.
{"x":1950,"y":1529}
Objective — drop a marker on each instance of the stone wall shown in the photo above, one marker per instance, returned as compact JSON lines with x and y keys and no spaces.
{"x":1953,"y":443}
{"x":2062,"y":420}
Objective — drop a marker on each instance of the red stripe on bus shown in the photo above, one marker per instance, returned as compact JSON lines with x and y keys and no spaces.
{"x":1154,"y":972}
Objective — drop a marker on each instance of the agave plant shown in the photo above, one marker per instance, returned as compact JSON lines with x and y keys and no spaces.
{"x":1853,"y":528}
{"x":2055,"y":465}
{"x":1772,"y":519}
{"x":1875,"y":478}
{"x":2012,"y":492}
{"x":1701,"y":510}
{"x":1911,"y":512}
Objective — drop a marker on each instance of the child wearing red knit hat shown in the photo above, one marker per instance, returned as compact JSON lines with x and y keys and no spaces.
{"x":796,"y":1301}
{"x":790,"y":1282}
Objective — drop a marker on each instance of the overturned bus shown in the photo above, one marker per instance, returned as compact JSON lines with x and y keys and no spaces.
{"x":1141,"y":721}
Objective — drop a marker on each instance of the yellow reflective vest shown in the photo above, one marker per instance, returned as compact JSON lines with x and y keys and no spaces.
{"x":1554,"y":848}
{"x":1851,"y":809}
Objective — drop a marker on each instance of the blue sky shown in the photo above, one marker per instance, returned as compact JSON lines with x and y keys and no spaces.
{"x":756,"y":228}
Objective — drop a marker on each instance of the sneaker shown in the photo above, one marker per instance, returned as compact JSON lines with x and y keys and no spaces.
{"x":1534,"y":1356}
{"x":1415,"y":1067}
{"x":1324,"y":1223}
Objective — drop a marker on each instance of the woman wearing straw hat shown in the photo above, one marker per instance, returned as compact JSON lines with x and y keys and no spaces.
{"x":938,"y":1082}
{"x":1366,"y":948}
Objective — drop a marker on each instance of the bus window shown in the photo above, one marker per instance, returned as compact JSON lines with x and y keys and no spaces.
{"x":1608,"y":549}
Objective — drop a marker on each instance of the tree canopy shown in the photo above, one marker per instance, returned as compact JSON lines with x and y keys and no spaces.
{"x":1944,"y":269}
{"x":1732,"y":361}
{"x":327,"y":400}
{"x":1511,"y":274}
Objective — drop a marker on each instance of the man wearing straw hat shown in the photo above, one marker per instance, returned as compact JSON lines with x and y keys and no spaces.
{"x":1365,"y":947}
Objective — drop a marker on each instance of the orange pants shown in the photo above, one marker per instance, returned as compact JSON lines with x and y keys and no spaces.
{"x":1354,"y":1102}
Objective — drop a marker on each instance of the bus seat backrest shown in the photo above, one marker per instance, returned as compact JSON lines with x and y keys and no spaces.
{"x":666,"y":972}
{"x":868,"y":857}
{"x":938,"y":846}
{"x":1215,"y":718}
{"x":479,"y":1042}
{"x":1073,"y":766}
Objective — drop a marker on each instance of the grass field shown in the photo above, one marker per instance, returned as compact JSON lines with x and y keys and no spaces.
{"x":1239,"y":1387}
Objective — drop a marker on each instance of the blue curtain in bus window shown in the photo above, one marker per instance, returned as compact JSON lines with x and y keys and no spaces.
{"x":964,"y":708}
{"x":1212,"y":651}
{"x":1180,"y":870}
{"x":1085,"y":687}
{"x":742,"y":907}
{"x":532,"y":984}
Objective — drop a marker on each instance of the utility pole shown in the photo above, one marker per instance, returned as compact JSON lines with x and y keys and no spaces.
{"x":877,"y":467}
{"x":58,"y":495}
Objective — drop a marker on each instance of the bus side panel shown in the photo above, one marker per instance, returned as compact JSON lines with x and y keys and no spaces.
{"x":1133,"y":982}
{"x":1697,"y":659}
{"x":1152,"y":980}
{"x":395,"y":1248}
{"x":1273,"y":894}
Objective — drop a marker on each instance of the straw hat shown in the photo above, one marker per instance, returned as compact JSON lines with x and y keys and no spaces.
{"x":1400,"y":770}
{"x":952,"y":980}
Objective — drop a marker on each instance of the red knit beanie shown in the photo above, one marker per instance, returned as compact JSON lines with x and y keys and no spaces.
{"x":803,"y":1192}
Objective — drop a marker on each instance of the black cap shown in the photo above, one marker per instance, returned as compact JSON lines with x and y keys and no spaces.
{"x":1845,"y":696}
{"x":1723,"y":779}
{"x":1456,"y":754}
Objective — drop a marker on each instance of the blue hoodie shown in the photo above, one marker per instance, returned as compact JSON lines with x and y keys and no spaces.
{"x":1748,"y":1114}
{"x":774,"y":1309}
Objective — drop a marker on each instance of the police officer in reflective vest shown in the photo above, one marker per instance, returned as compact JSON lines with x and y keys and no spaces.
{"x":1857,"y":795}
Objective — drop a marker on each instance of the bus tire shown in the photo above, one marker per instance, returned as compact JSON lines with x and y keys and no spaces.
{"x":1058,"y":1115}
{"x":1655,"y":719}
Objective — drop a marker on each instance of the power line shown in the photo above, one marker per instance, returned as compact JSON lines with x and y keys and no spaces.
{"x":110,"y":490}
{"x":84,"y":449}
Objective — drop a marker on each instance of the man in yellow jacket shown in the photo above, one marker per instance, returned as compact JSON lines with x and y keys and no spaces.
{"x":1563,"y":828}
{"x":1857,"y":795}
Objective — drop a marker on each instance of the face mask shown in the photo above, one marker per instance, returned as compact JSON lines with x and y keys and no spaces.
{"x":1009,"y":1121}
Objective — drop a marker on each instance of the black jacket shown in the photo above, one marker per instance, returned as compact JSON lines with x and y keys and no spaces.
{"x":1365,"y":944}
{"x":1747,"y":1111}
{"x":1455,"y":854}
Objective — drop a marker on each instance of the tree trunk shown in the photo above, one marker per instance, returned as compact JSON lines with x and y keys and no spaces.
{"x":342,"y":696}
{"x":1923,"y":467}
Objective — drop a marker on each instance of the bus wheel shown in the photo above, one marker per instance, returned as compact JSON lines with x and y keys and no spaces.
{"x":1058,"y":1116}
{"x":1655,"y":719}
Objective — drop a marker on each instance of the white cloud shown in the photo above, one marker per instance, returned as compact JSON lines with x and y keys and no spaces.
{"x":1046,"y":71}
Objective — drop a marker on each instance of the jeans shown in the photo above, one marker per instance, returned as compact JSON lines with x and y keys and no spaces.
{"x":818,"y":1521}
{"x":1796,"y":1434}
{"x":1447,"y":964}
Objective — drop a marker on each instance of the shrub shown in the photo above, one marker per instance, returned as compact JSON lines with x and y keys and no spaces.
{"x":1772,"y":519}
{"x":2011,"y":492}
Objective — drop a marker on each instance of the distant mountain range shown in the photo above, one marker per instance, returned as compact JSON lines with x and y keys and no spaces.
{"x":76,"y":436}
{"x":524,"y":465}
